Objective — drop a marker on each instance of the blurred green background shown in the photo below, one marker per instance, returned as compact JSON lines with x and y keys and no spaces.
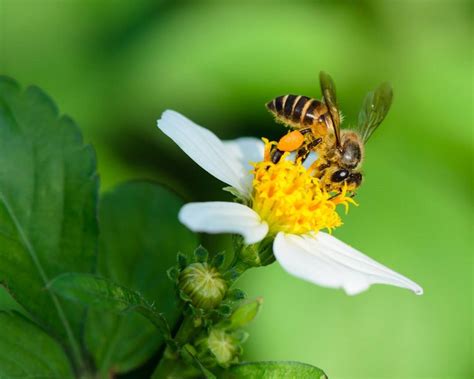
{"x":116,"y":65}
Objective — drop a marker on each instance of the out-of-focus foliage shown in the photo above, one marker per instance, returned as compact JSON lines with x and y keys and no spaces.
{"x":117,"y":65}
{"x":49,"y":227}
{"x":139,"y":237}
{"x":27,"y":351}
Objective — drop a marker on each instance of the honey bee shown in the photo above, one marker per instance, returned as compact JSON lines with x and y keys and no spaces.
{"x":315,"y":126}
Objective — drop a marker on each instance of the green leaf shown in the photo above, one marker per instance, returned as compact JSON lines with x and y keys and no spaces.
{"x":28,"y":352}
{"x":8,"y":303}
{"x":140,"y":237}
{"x":48,"y":191}
{"x":274,"y":370}
{"x":98,"y":292}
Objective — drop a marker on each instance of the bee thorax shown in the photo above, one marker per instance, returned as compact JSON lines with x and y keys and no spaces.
{"x":351,"y":152}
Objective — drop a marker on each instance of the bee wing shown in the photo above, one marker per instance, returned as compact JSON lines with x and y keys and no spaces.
{"x":374,"y":109}
{"x":328,"y":89}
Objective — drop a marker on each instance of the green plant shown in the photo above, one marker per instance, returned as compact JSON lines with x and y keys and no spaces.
{"x":114,"y":256}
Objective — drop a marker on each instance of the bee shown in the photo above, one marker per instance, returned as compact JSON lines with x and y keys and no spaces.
{"x":315,"y":126}
{"x":307,"y":119}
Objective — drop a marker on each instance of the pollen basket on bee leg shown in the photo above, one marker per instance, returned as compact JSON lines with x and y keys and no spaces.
{"x":291,"y":141}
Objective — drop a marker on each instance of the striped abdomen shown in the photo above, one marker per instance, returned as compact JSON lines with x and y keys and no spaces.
{"x":297,"y":111}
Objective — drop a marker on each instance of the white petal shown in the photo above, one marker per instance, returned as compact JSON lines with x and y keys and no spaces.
{"x":247,"y":150}
{"x":312,"y":157}
{"x":324,"y":260}
{"x":203,"y":147}
{"x":224,"y":217}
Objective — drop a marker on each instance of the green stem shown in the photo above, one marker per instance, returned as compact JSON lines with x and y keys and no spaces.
{"x":248,"y":256}
{"x":173,"y":368}
{"x":186,"y":331}
{"x":171,"y":364}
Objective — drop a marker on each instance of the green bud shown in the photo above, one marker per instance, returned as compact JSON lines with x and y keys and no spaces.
{"x":249,"y":255}
{"x":258,"y":254}
{"x":245,"y":313}
{"x":224,"y":347}
{"x":203,"y":285}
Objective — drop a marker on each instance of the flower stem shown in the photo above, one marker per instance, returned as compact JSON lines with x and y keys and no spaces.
{"x":248,"y":256}
{"x":186,"y":331}
{"x":171,"y":364}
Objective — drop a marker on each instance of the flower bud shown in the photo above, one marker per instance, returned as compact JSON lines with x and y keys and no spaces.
{"x":203,"y":285}
{"x":219,"y":347}
{"x":258,"y":254}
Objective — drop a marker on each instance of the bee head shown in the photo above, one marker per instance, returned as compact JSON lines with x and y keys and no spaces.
{"x":355,"y":178}
{"x":340,"y":175}
{"x":352,"y":179}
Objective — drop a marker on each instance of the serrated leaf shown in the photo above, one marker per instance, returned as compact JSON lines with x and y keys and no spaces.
{"x":140,"y":237}
{"x":48,"y":191}
{"x":28,"y":352}
{"x":274,"y":370}
{"x":94,"y":291}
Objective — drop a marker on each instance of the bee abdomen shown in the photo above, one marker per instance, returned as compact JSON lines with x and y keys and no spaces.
{"x":295,"y":109}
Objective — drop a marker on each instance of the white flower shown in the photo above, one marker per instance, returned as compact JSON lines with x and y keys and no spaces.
{"x":281,"y":201}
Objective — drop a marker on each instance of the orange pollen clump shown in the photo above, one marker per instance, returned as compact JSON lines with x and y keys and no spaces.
{"x":291,"y":200}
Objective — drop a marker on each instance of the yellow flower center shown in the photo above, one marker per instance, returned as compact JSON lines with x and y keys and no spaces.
{"x":291,"y":200}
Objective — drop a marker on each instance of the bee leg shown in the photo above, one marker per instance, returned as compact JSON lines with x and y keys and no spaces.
{"x":351,"y":195}
{"x":334,"y":196}
{"x":305,"y":150}
{"x":324,"y":166}
{"x":276,"y":155}
{"x":302,"y":154}
{"x":314,"y":143}
{"x":305,"y":131}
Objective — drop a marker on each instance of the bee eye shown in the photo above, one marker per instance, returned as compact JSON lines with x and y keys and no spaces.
{"x":340,"y":175}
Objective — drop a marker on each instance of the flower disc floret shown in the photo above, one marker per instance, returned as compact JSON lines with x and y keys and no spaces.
{"x":291,"y":200}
